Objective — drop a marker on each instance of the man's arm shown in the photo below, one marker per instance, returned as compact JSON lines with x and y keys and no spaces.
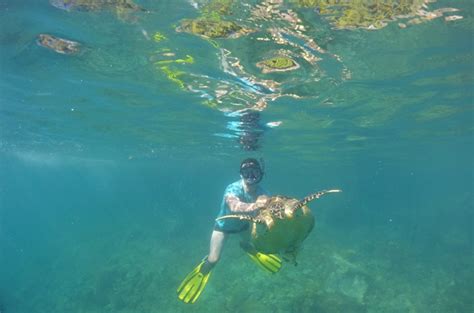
{"x":238,"y":206}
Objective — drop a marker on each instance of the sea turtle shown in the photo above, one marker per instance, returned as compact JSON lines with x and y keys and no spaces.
{"x":281,"y":224}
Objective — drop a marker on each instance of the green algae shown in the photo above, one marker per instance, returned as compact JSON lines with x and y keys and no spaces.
{"x":163,"y":65}
{"x":363,"y":14}
{"x":211,"y":22}
{"x":157,"y":37}
{"x":189,"y":60}
{"x":173,"y":75}
{"x":280,"y":63}
{"x":210,"y":103}
{"x":210,"y":27}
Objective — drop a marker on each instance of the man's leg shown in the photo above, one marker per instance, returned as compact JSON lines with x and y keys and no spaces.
{"x":215,"y":249}
{"x":194,"y":283}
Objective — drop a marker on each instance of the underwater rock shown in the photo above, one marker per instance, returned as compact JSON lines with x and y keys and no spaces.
{"x":123,"y":8}
{"x":211,"y":28}
{"x":354,"y":286}
{"x":63,"y":4}
{"x":57,"y":44}
{"x":95,"y":5}
{"x":347,"y":279}
{"x":278,"y":64}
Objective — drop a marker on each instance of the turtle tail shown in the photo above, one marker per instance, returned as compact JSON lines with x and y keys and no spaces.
{"x":313,"y":196}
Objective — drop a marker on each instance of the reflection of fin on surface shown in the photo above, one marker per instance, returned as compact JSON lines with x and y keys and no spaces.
{"x":268,"y":262}
{"x":193,"y":285}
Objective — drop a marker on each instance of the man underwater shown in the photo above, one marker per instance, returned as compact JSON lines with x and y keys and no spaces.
{"x":242,"y":196}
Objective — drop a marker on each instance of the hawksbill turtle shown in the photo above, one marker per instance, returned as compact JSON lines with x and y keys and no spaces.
{"x":281,"y":224}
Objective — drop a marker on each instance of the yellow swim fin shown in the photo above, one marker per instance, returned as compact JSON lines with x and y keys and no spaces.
{"x":268,"y":262}
{"x":193,"y":285}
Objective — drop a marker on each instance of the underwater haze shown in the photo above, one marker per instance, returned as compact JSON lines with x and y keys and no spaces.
{"x":121,"y":124}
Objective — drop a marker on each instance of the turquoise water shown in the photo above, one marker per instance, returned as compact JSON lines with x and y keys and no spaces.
{"x":111,"y":173}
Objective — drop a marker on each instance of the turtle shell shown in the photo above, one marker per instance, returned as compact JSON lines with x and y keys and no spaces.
{"x":283,"y":230}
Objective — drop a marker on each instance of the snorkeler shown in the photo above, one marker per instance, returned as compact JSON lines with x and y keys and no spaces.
{"x":244,"y":195}
{"x":249,"y":129}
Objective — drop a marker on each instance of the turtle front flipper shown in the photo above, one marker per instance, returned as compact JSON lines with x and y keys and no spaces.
{"x":313,"y":196}
{"x":239,"y":217}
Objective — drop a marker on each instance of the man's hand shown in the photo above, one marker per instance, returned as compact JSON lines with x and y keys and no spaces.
{"x":261,"y":202}
{"x":236,"y":205}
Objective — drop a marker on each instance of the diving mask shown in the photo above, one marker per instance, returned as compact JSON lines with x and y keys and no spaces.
{"x":251,"y":172}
